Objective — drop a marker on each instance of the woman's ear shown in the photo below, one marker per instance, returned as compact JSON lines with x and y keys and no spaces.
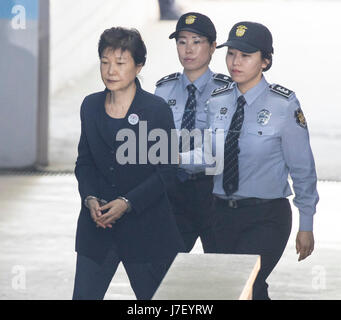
{"x":213,"y":47}
{"x":265,"y":63}
{"x":139,"y":68}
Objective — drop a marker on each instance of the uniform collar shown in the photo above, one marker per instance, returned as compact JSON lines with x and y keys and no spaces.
{"x":199,"y":83}
{"x":252,"y":94}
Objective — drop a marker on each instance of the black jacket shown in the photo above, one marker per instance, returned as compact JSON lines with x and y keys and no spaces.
{"x":149,"y":231}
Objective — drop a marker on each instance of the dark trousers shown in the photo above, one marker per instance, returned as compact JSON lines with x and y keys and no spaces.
{"x":192,"y":205}
{"x":92,"y":279}
{"x":262,"y":229}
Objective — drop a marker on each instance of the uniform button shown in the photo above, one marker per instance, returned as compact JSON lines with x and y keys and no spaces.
{"x":111,"y":168}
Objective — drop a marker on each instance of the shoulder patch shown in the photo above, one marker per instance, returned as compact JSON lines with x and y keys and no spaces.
{"x":170,"y":77}
{"x":281,"y":90}
{"x":222,"y":89}
{"x":300,"y":119}
{"x":222,"y":77}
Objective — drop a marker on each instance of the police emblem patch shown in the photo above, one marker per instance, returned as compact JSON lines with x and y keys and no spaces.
{"x":300,"y":119}
{"x":171,"y":102}
{"x":240,"y":30}
{"x":263,"y":117}
{"x":223,"y":110}
{"x":190,"y":19}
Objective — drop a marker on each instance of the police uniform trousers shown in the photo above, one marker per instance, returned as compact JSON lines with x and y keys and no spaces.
{"x":262,"y":229}
{"x":92,"y":279}
{"x":192,"y":205}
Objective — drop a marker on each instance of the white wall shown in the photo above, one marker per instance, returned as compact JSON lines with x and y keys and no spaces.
{"x":75,"y":28}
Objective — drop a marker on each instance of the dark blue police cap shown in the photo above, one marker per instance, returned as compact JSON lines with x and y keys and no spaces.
{"x":197,"y":23}
{"x":249,"y":37}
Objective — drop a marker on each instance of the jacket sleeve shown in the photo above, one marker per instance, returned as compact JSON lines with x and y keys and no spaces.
{"x":85,"y":170}
{"x":163,"y":178}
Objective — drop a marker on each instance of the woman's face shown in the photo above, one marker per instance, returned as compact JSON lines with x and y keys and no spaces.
{"x":118,"y":69}
{"x":245,"y":68}
{"x":194,"y":51}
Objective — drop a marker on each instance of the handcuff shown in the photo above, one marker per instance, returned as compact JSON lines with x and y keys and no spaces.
{"x":102,"y":202}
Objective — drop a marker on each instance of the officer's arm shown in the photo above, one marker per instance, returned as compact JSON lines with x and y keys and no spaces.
{"x":299,"y":159}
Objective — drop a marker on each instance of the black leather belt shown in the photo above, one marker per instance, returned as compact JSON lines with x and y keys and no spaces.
{"x":241,"y":203}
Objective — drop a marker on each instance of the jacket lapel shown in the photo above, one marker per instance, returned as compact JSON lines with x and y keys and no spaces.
{"x":102,"y":123}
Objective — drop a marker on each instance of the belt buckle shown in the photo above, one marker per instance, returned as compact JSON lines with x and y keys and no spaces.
{"x":232,"y":203}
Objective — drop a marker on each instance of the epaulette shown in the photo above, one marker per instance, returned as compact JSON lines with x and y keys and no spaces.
{"x":173,"y":76}
{"x":281,"y":90}
{"x":222,"y":89}
{"x":222,"y":77}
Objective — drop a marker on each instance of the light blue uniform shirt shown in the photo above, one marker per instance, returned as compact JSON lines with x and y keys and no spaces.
{"x":172,"y":89}
{"x":274,"y":142}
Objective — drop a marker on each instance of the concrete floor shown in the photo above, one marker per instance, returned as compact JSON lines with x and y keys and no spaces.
{"x":37,"y":258}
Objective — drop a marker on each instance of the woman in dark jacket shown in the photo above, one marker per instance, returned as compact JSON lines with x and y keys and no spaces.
{"x":125,"y":214}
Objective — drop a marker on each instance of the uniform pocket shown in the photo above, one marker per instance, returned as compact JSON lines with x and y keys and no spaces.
{"x":202,"y":120}
{"x":260,"y":131}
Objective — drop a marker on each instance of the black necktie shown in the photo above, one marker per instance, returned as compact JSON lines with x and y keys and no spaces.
{"x":231,"y":150}
{"x":188,"y":118}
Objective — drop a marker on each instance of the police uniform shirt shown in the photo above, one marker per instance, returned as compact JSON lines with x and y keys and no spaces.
{"x":173,"y":89}
{"x":274,"y":142}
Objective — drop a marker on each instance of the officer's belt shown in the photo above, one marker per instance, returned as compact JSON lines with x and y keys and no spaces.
{"x":231,"y":203}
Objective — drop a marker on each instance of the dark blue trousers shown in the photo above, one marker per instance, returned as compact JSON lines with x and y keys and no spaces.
{"x":192,"y":204}
{"x":262,"y":229}
{"x":92,"y":279}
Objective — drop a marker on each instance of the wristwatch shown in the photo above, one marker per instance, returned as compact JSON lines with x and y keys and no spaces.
{"x":101,"y":201}
{"x":127,"y":202}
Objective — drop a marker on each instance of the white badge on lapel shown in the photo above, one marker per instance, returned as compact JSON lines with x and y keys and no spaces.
{"x":133,"y":119}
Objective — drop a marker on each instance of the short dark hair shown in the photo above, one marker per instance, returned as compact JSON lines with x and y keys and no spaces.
{"x":268,"y":56}
{"x":124,"y":39}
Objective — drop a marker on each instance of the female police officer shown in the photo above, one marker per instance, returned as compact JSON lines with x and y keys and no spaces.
{"x":266,"y":138}
{"x":187,"y":94}
{"x":136,"y":225}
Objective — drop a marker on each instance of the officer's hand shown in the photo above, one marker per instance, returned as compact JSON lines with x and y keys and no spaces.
{"x":116,"y":209}
{"x":95,"y":212}
{"x":304,"y":244}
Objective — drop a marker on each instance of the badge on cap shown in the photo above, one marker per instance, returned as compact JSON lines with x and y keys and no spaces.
{"x":300,"y":119}
{"x":133,"y":119}
{"x":240,"y":30}
{"x":190,"y":19}
{"x":263,"y":117}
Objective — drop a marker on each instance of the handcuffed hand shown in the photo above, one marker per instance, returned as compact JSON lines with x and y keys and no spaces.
{"x":116,"y":209}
